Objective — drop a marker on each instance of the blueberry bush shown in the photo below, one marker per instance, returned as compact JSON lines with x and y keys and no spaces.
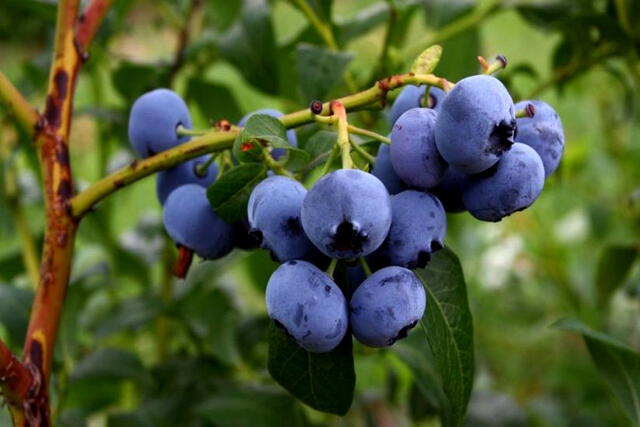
{"x":258,"y":212}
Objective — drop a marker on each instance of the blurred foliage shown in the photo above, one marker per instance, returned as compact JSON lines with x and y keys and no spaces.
{"x":137,"y":348}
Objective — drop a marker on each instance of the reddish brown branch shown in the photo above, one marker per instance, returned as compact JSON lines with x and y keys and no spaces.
{"x":89,"y":22}
{"x":15,"y":380}
{"x":52,"y":143}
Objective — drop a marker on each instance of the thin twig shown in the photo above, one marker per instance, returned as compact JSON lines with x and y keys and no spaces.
{"x":24,"y":113}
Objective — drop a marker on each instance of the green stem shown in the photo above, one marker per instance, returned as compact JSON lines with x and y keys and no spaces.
{"x":332,"y":267}
{"x":343,"y":135}
{"x":218,"y":140}
{"x":365,"y":266}
{"x":183,"y":131}
{"x":371,"y":159}
{"x":203,"y":168}
{"x":274,"y":165}
{"x":370,"y":134}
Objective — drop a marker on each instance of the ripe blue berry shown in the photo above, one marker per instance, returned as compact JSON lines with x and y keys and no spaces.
{"x":383,"y":170}
{"x":274,"y":216}
{"x":185,"y":173}
{"x":153,"y":120}
{"x":190,"y":222}
{"x":386,"y":306}
{"x":543,"y":132}
{"x":308,"y":305}
{"x":411,"y":97}
{"x":512,"y":185}
{"x":449,"y":191}
{"x":347,"y":213}
{"x":476,"y":124}
{"x":291,"y":134}
{"x":414,"y":155}
{"x":418,"y":227}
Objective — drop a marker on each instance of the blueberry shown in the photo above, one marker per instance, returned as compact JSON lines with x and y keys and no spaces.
{"x":543,"y":132}
{"x":414,"y":155}
{"x":476,"y":124}
{"x":291,"y":134}
{"x":383,"y":170}
{"x":311,"y":308}
{"x":153,"y":120}
{"x":185,"y":173}
{"x":347,"y":213}
{"x":411,"y":97}
{"x":386,"y":306}
{"x":190,"y":222}
{"x":449,"y":191}
{"x":418,"y":227}
{"x":274,"y":216}
{"x":512,"y":185}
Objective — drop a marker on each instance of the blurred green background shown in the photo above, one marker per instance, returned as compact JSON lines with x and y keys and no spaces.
{"x":138,"y":348}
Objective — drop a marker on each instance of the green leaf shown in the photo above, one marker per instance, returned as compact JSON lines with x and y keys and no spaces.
{"x":320,"y":143}
{"x":131,"y":79}
{"x":257,"y":407}
{"x":250,"y":46}
{"x":214,"y":101}
{"x":613,"y":268}
{"x":427,"y":61}
{"x":449,"y":329}
{"x":230,"y":193}
{"x":324,"y":381}
{"x":618,"y":364}
{"x":260,"y":130}
{"x":110,"y":364}
{"x":15,"y":305}
{"x":463,"y":63}
{"x":296,"y":159}
{"x":131,"y":314}
{"x":319,"y":70}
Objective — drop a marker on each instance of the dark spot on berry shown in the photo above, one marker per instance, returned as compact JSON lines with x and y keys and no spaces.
{"x":403,"y":332}
{"x":306,"y":334}
{"x":396,"y":278}
{"x":256,"y":236}
{"x":348,"y":238}
{"x":327,"y":289}
{"x":502,"y":137}
{"x":299,"y":314}
{"x":292,"y":227}
{"x":292,"y":262}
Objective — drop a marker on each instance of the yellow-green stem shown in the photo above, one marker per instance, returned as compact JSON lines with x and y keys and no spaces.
{"x":218,"y":140}
{"x":370,"y":134}
{"x":371,"y":159}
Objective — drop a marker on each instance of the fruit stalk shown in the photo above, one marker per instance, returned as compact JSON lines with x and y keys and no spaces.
{"x":222,"y":139}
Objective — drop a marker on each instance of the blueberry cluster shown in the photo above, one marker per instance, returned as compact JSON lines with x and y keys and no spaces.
{"x":468,"y":149}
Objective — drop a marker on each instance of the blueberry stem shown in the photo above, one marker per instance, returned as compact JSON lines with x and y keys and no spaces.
{"x":183,"y":131}
{"x":370,"y":134}
{"x":371,"y":159}
{"x":343,"y":134}
{"x":528,"y":111}
{"x":332,"y":267}
{"x":201,"y":169}
{"x":274,"y":165}
{"x":499,"y":64}
{"x":365,"y":266}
